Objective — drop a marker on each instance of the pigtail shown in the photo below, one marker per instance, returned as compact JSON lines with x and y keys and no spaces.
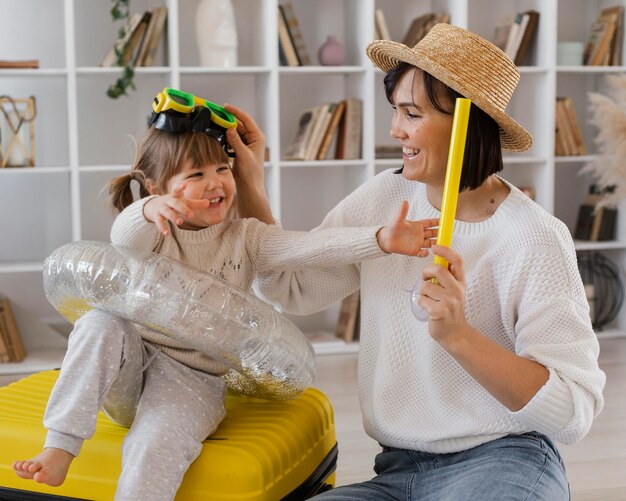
{"x":120,"y":189}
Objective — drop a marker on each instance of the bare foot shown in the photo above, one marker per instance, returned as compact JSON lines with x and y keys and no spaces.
{"x":48,"y":467}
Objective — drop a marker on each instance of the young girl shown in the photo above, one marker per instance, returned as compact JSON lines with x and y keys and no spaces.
{"x":172,"y":397}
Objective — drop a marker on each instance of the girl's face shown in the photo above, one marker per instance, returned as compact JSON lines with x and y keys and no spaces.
{"x":213,"y":182}
{"x":422,"y":129}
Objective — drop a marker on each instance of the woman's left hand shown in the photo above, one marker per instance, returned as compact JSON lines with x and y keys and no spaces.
{"x":445,"y":301}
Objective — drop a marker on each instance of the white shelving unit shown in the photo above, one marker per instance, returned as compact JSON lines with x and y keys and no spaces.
{"x":83,"y":137}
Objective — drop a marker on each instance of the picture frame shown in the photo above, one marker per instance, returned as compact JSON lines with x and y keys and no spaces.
{"x":17,"y":131}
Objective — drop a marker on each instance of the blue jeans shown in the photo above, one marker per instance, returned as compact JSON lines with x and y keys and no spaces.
{"x":515,"y":467}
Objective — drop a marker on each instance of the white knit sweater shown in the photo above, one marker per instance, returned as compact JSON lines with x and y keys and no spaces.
{"x":235,"y":251}
{"x":523,"y":291}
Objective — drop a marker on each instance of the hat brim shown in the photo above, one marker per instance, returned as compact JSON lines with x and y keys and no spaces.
{"x":387,"y":54}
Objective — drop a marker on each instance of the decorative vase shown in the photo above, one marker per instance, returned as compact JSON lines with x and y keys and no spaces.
{"x":216,"y":32}
{"x":332,"y":52}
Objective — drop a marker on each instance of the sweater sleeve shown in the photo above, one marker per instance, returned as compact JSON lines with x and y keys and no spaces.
{"x":553,"y":328}
{"x":132,"y":229}
{"x":317,"y":287}
{"x":273,"y":249}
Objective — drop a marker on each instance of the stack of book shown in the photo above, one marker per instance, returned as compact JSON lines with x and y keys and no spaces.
{"x":319,"y":125}
{"x":568,"y":139}
{"x":515,"y":34}
{"x":606,"y":38}
{"x":141,"y":42}
{"x":422,"y":25}
{"x":11,"y":346}
{"x":596,"y":222}
{"x":291,"y":47}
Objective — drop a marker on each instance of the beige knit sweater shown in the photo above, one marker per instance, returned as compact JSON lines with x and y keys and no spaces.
{"x":236,"y":250}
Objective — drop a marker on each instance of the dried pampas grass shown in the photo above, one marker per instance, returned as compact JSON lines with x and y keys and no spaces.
{"x":608,"y":114}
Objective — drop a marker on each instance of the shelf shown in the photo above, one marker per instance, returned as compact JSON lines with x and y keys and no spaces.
{"x":236,"y":70}
{"x":21,"y":268}
{"x":576,"y":159}
{"x":590,"y":69}
{"x":326,"y":343}
{"x":611,"y":334}
{"x":582,"y":245}
{"x":35,"y":361}
{"x":42,"y":72}
{"x":322,"y":163}
{"x":319,"y":70}
{"x":532,"y":69}
{"x":32,"y":171}
{"x":114,"y":168}
{"x":113,"y":70}
{"x":522,"y":159}
{"x":45,"y":347}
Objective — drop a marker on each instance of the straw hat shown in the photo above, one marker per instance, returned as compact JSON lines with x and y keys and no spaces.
{"x":466,"y":63}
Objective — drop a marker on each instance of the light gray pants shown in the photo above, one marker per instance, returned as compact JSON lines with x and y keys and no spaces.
{"x":169,"y":407}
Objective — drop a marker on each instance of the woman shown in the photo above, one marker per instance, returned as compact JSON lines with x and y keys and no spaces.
{"x":466,"y":405}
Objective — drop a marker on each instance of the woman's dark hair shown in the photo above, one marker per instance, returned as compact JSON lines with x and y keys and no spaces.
{"x":483,"y":152}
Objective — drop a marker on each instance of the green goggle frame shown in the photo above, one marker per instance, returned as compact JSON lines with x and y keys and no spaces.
{"x":177,"y":111}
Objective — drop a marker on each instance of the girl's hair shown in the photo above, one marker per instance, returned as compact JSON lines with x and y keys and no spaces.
{"x":160,"y":155}
{"x":483,"y":153}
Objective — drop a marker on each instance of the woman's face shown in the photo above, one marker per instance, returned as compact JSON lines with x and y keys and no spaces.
{"x":423,"y":131}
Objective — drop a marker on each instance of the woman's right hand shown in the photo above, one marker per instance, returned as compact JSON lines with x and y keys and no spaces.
{"x":248,"y":141}
{"x":172,"y":207}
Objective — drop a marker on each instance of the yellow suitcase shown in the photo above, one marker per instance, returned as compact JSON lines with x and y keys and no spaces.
{"x":262,"y":451}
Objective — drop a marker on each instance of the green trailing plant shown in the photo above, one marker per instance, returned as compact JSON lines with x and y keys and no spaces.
{"x":121,"y":12}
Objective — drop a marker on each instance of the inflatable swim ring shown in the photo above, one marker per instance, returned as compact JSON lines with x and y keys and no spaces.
{"x":268,"y":355}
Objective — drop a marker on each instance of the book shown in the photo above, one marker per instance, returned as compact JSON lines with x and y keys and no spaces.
{"x":348,"y":314}
{"x":574,"y":125}
{"x":297,"y":148}
{"x":608,"y":224}
{"x":23,"y":63}
{"x":417,"y":29}
{"x":501,"y":31}
{"x":515,"y":35}
{"x":601,"y":54}
{"x":319,"y":128}
{"x":599,"y":41}
{"x":296,"y":35}
{"x":568,"y":139}
{"x":584,"y":222}
{"x":337,"y":112}
{"x":596,"y":222}
{"x":559,"y":141}
{"x":110,"y":59}
{"x":285,"y":42}
{"x":613,"y":54}
{"x":527,"y":37}
{"x":11,"y":345}
{"x":380,"y":25}
{"x":616,"y":48}
{"x":136,"y":40}
{"x":154,"y":32}
{"x":350,"y":131}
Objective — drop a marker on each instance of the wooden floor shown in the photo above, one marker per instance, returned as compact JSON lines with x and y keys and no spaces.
{"x":596,"y":466}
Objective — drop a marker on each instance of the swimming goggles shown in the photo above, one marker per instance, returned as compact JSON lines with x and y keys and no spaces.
{"x":177,"y":111}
